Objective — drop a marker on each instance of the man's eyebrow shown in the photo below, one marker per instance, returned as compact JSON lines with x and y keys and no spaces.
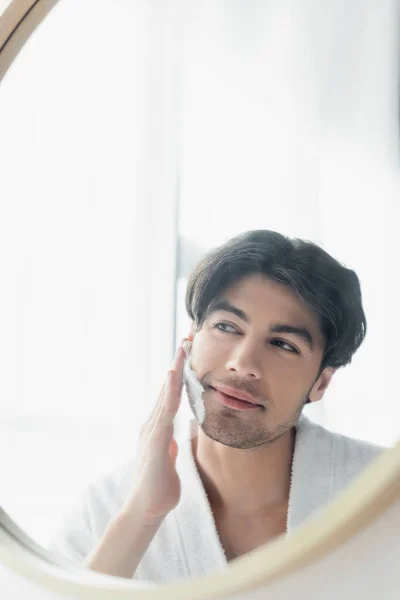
{"x":301,"y":332}
{"x":228,"y":307}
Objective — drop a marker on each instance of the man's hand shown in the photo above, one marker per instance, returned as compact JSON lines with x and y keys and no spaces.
{"x":157,"y":487}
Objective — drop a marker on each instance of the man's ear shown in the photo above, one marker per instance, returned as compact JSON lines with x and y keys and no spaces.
{"x":321,"y":385}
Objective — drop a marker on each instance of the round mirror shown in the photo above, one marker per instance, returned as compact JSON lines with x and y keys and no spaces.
{"x":135,"y":138}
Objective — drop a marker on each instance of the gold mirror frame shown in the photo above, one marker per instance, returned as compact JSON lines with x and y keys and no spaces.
{"x":372,"y":493}
{"x":17,"y":23}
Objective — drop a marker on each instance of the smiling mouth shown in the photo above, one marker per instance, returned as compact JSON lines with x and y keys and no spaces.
{"x":233,"y":402}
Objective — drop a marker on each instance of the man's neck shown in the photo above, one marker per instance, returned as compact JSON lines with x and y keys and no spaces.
{"x":245,"y":482}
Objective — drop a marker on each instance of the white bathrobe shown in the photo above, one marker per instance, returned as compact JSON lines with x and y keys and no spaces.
{"x":187,"y":543}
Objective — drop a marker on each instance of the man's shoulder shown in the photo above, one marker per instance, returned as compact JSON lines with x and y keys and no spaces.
{"x":349,"y":454}
{"x":322,"y":431}
{"x":347,"y":442}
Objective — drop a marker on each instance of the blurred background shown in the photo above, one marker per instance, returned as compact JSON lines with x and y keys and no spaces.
{"x":134,"y":136}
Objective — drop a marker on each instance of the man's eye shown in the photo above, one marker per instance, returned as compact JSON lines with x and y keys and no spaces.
{"x":285,"y":346}
{"x":225,"y":327}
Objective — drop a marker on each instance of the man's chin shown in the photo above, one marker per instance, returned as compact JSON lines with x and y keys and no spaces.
{"x":228,"y":436}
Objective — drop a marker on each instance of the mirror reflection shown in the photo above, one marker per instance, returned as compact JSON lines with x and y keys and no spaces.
{"x":198,"y":240}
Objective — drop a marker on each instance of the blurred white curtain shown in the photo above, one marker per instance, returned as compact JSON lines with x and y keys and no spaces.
{"x":291,"y":122}
{"x":89,"y":136}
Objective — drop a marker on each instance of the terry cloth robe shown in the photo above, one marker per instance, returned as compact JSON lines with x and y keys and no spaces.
{"x":187,"y":543}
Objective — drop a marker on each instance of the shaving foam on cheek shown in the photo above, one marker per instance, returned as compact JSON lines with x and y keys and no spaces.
{"x":194,"y":389}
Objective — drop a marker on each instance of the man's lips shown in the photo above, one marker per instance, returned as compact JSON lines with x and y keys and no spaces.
{"x":237,"y":394}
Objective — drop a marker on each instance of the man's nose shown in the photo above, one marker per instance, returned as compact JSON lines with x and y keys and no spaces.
{"x":245,"y":361}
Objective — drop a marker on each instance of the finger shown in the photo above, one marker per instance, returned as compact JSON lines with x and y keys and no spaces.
{"x":156,"y":409}
{"x":175,"y":376}
{"x":157,"y":406}
{"x":173,"y":389}
{"x":172,"y":396}
{"x":148,"y":429}
{"x":173,"y":393}
{"x":176,"y":360}
{"x":155,"y":412}
{"x":170,"y":399}
{"x":174,"y":366}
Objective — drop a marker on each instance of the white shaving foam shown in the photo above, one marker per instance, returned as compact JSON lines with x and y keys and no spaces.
{"x":194,"y":389}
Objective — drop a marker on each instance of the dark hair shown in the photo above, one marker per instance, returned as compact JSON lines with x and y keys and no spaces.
{"x":327,"y":287}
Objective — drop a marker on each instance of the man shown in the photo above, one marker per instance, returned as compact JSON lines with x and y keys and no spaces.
{"x":273,"y":319}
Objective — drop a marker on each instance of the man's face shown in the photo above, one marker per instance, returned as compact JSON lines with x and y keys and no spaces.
{"x":261,"y":339}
